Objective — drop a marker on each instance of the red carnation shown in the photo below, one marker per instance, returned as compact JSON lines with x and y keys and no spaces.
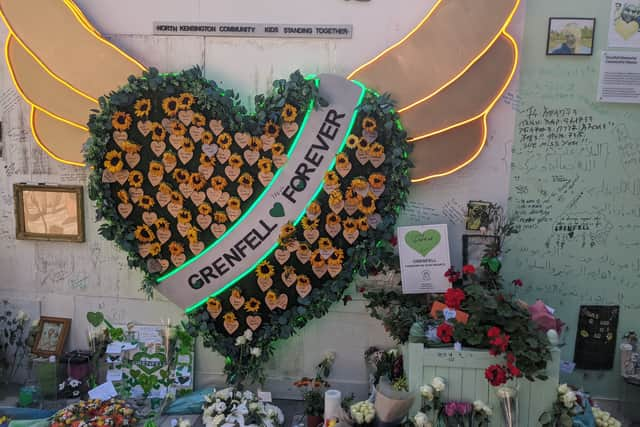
{"x":494,"y":332}
{"x":452,"y":275}
{"x":496,"y":375}
{"x":468,"y":269}
{"x":445,"y":332}
{"x":514,"y":370}
{"x":500,"y":343}
{"x":454,"y":297}
{"x":517,"y":283}
{"x":394,"y":241}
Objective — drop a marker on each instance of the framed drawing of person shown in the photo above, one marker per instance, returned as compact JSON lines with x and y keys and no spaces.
{"x":52,"y":334}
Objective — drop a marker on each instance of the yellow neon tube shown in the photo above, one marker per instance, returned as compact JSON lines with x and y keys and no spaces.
{"x":32,"y":123}
{"x":506,"y":84}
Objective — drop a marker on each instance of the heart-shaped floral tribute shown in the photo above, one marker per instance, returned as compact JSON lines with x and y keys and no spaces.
{"x":177,"y":161}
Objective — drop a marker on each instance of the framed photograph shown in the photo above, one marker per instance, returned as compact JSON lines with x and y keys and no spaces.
{"x":474,"y":247}
{"x":571,"y":36}
{"x":478,"y":215}
{"x":51,"y":336}
{"x":48,"y":212}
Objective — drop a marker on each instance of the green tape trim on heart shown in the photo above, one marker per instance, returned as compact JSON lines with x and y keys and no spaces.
{"x":299,"y":218}
{"x":423,"y":243}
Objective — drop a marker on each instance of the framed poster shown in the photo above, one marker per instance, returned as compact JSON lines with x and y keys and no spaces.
{"x":52,"y":333}
{"x":596,"y":337}
{"x":571,"y":36}
{"x":424,"y":258}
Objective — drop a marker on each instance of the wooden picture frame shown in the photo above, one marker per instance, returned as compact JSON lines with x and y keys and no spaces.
{"x":573,"y":28}
{"x":52,"y":334}
{"x":478,"y":215}
{"x":49,"y":212}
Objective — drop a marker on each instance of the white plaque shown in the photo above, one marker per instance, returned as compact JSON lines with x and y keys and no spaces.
{"x":619,"y":77}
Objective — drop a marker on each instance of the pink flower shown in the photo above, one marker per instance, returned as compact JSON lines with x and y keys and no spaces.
{"x":463,"y":408}
{"x":450,"y":409}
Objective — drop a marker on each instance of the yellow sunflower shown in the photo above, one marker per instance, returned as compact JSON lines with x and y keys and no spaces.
{"x":220,"y":217}
{"x":362,"y":145}
{"x":176,"y":198}
{"x":359,"y":184}
{"x":207,"y":137}
{"x":303,"y":281}
{"x":255,"y":144}
{"x":335,"y":197}
{"x":113,"y":161}
{"x":170,"y":106}
{"x":156,"y":168}
{"x":185,"y":101}
{"x":336,"y":258}
{"x":121,"y":120}
{"x":352,"y":196}
{"x":224,"y":140}
{"x":287,"y":231}
{"x":332,"y":219}
{"x":246,"y":180}
{"x":304,"y":249}
{"x":235,"y":293}
{"x":367,"y":205}
{"x":234,"y":203}
{"x":307,"y":224}
{"x":352,"y":141}
{"x":142,"y":107}
{"x":136,"y":179}
{"x":376,"y":150}
{"x":264,"y":165}
{"x":350,"y":225}
{"x":181,"y":175}
{"x":164,"y":188}
{"x":219,"y":182}
{"x":157,"y":132}
{"x":161,"y":223}
{"x":144,"y":234}
{"x":229,"y":317}
{"x":252,"y":306}
{"x":123,"y":196}
{"x":377,"y":180}
{"x":213,"y":305}
{"x":169,"y":157}
{"x":342,"y":159}
{"x":192,"y":235}
{"x":197,"y":181}
{"x":176,"y":248}
{"x":271,"y":297}
{"x":271,"y":129}
{"x":316,"y":259}
{"x":198,"y":120}
{"x":314,"y":209}
{"x":177,"y":128}
{"x":154,"y":249}
{"x":331,"y":178}
{"x":146,"y":202}
{"x":325,"y":244}
{"x":277,"y":149}
{"x":205,"y":209}
{"x":363,"y":223}
{"x":207,"y":160}
{"x":184,"y":216}
{"x":130,"y":147}
{"x":369,"y":124}
{"x":235,"y":161}
{"x":289,"y":113}
{"x":265,"y":270}
{"x":188,"y":145}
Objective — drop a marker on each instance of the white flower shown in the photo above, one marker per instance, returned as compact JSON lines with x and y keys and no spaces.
{"x":241,"y":340}
{"x":421,"y":420}
{"x":438,"y":384}
{"x":22,"y":316}
{"x":248,"y":335}
{"x":184,"y":423}
{"x":569,"y":399}
{"x":253,"y":406}
{"x":219,"y":407}
{"x":256,"y":351}
{"x":248,"y":395}
{"x":330,"y":356}
{"x":487,"y":410}
{"x":427,"y":392}
{"x":74,"y":383}
{"x":217,"y":420}
{"x":478,"y":405}
{"x":563,"y":389}
{"x":61,"y":385}
{"x":35,"y":323}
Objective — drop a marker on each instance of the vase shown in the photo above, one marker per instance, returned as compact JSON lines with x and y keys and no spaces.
{"x":508,"y":398}
{"x":314,"y":420}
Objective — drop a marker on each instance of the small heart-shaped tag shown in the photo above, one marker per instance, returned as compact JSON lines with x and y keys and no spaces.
{"x":209,"y":149}
{"x":149,"y":218}
{"x":232,"y":213}
{"x":236,"y":301}
{"x":267,"y":142}
{"x":362,"y":156}
{"x":343,"y":169}
{"x":370,"y":136}
{"x":185,"y":189}
{"x":196,"y":133}
{"x":197,"y":197}
{"x":174,"y":209}
{"x":289,"y":129}
{"x":303,"y":256}
{"x":185,"y":116}
{"x":242,"y":138}
{"x":136,"y":194}
{"x":303,"y":288}
{"x":143,"y":249}
{"x":214,"y":309}
{"x":223,"y":199}
{"x":216,"y":126}
{"x":337,"y":207}
{"x":231,"y":326}
{"x":253,"y":322}
{"x":169,"y":164}
{"x":206,"y":171}
{"x":132,"y":159}
{"x":163,"y":198}
{"x":213,"y":195}
{"x":232,"y":173}
{"x":374,"y":220}
{"x":176,"y":141}
{"x":377,"y":160}
{"x":204,"y":221}
{"x":265,"y":178}
{"x":283,"y":301}
{"x":333,"y":229}
{"x":196,"y":247}
{"x":350,"y":236}
{"x":265,"y":283}
{"x":108,"y":177}
{"x":311,"y":235}
{"x":144,"y":126}
{"x":183,"y":228}
{"x":319,"y":270}
{"x":334,"y":270}
{"x":125,"y":209}
{"x":154,"y":265}
{"x":251,"y":156}
{"x":185,"y":156}
{"x":351,"y":206}
{"x":158,"y":147}
{"x":155,"y":179}
{"x":282,"y":256}
{"x":120,"y":137}
{"x":288,"y":279}
{"x":218,"y":229}
{"x":244,"y":192}
{"x":163,"y":234}
{"x":280,"y":160}
{"x":121,"y":176}
{"x":378,"y":191}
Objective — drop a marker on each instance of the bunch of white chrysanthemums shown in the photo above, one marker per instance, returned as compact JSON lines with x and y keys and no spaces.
{"x":567,"y":396}
{"x":232,"y":408}
{"x":362,"y":412}
{"x":604,"y":419}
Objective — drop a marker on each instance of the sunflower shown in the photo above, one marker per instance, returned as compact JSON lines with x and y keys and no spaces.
{"x":157,"y":132}
{"x":220,"y":217}
{"x":359,"y":184}
{"x":246,"y":180}
{"x":252,"y":306}
{"x":362,"y":145}
{"x":307,"y":224}
{"x":265,"y":270}
{"x":154,"y":249}
{"x":197,"y":181}
{"x":264,"y":165}
{"x":255,"y":144}
{"x":277,"y":149}
{"x":176,"y":198}
{"x":271,"y":129}
{"x":188,"y":145}
{"x":164,"y":188}
{"x":156,"y":168}
{"x":336,"y":258}
{"x":176,"y":248}
{"x":198,"y":120}
{"x":181,"y":175}
{"x":177,"y":128}
{"x":142,"y":107}
{"x":207,"y":137}
{"x":352,"y":141}
{"x":213,"y":305}
{"x":229,"y":317}
{"x":350,"y":225}
{"x":363,"y":223}
{"x":325,"y":244}
{"x":205,"y":209}
{"x":367,"y":205}
{"x":287,"y":231}
{"x":369,"y":124}
{"x":207,"y":160}
{"x":271,"y":297}
{"x":235,"y":293}
{"x":335,"y":197}
{"x":123,"y":196}
{"x":351,"y":196}
{"x":304,"y":249}
{"x":192,"y":235}
{"x":376,"y":150}
{"x":331,"y":178}
{"x":235,"y":161}
{"x":316,"y":259}
{"x":332,"y":219}
{"x":146,"y":202}
{"x":314,"y":209}
{"x":377,"y":180}
{"x":224,"y":140}
{"x":161,"y":224}
{"x":303,"y":281}
{"x":289,"y":113}
{"x":113,"y":161}
{"x":185,"y":101}
{"x":234,"y":203}
{"x":219,"y":182}
{"x":170,"y":106}
{"x":144,"y":234}
{"x":184,"y":216}
{"x":121,"y":120}
{"x":289,"y":271}
{"x":136,"y":179}
{"x":130,"y":147}
{"x":169,"y":157}
{"x":342,"y":159}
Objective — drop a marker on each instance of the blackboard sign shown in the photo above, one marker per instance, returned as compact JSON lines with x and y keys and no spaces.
{"x":596,"y":336}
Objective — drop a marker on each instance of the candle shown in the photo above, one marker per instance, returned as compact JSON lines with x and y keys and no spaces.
{"x":332,"y":400}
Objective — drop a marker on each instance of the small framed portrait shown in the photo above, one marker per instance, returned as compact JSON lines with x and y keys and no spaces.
{"x":474,"y":247}
{"x":571,"y":36}
{"x":478,"y":215}
{"x":49,"y":212}
{"x":52,"y":334}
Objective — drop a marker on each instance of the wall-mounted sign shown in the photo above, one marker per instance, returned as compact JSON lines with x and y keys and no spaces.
{"x":596,"y":336}
{"x":233,"y":29}
{"x":619,"y":77}
{"x":424,"y":258}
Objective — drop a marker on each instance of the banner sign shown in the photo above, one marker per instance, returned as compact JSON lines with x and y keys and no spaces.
{"x":210,"y":29}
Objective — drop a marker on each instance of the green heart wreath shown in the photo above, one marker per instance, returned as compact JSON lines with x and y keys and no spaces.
{"x":176,"y":161}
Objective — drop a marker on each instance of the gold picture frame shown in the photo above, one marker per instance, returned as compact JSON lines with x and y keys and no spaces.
{"x":49,"y":212}
{"x":52,"y":334}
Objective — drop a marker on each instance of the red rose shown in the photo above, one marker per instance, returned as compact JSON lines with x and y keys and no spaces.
{"x":494,"y":332}
{"x":454,"y":297}
{"x":445,"y":332}
{"x":468,"y":269}
{"x":496,"y":375}
{"x":452,"y":275}
{"x":514,"y":370}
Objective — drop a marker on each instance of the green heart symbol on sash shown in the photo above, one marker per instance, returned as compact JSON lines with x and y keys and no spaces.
{"x":149,"y":363}
{"x":277,"y":210}
{"x":423,"y":243}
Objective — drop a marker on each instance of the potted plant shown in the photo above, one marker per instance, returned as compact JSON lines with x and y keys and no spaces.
{"x":313,"y":389}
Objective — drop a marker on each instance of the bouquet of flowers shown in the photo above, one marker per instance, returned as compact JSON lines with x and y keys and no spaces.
{"x":362,"y":413}
{"x":69,"y":388}
{"x":313,"y":389}
{"x":233,"y":408}
{"x":430,"y":406}
{"x":112,"y":412}
{"x":571,"y":404}
{"x":457,"y":414}
{"x":604,"y":419}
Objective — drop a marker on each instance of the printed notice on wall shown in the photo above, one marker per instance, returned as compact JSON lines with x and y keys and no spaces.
{"x":619,"y":77}
{"x":424,"y":258}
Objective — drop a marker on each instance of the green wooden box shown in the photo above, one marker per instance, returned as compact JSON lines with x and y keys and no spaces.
{"x":464,"y":375}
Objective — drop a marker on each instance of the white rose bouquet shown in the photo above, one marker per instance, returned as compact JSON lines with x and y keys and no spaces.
{"x":362,"y":413}
{"x":233,"y":408}
{"x":604,"y":419}
{"x":431,"y":402}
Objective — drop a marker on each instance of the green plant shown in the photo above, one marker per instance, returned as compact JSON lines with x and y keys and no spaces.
{"x":16,"y":339}
{"x":313,"y":389}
